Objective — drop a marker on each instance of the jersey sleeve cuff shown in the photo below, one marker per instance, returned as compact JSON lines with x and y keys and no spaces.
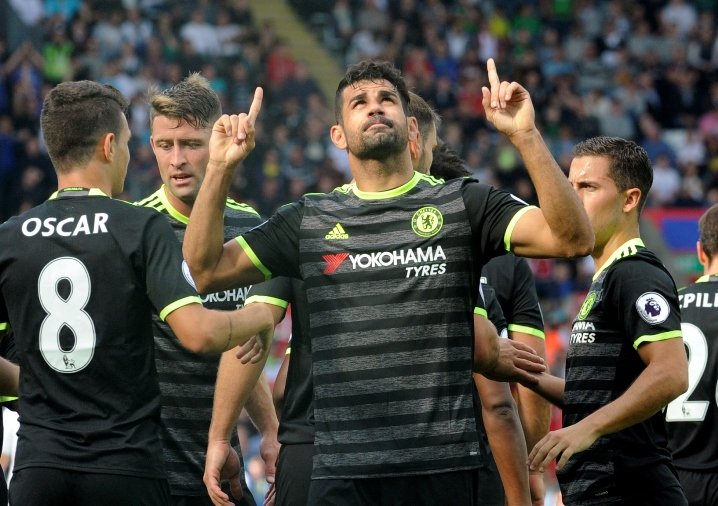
{"x":4,"y":325}
{"x":481,"y":312}
{"x":192,"y":299}
{"x":253,"y":257}
{"x":663,"y":336}
{"x":512,"y":224}
{"x":267,"y":300}
{"x":527,"y":330}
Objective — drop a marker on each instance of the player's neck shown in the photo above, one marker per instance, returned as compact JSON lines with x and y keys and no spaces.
{"x":601,"y":254}
{"x":84,"y":179}
{"x":379,"y":176}
{"x":180,"y":206}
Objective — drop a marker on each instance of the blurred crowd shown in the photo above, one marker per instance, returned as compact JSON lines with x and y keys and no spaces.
{"x":639,"y":70}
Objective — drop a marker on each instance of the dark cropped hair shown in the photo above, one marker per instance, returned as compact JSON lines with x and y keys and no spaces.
{"x":425,"y":115}
{"x":629,"y":163}
{"x":192,"y":100}
{"x":708,"y":231}
{"x":75,"y":115}
{"x":374,"y":71}
{"x":447,"y":164}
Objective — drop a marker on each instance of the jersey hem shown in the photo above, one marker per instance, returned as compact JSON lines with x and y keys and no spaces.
{"x":527,"y":330}
{"x":192,"y":299}
{"x":267,"y":300}
{"x":254,"y":258}
{"x":663,"y":336}
{"x":512,"y":224}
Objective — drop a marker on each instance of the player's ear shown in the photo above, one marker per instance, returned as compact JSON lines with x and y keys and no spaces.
{"x":414,"y":145}
{"x":703,"y":257}
{"x":107,"y":143}
{"x":632,"y":198}
{"x":338,"y":137}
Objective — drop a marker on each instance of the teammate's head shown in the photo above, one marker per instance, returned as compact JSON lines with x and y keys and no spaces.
{"x":84,"y":119}
{"x":181,"y":119}
{"x":447,"y":164}
{"x":371,"y":106}
{"x":612,"y":177}
{"x":708,"y":238}
{"x":628,"y":163}
{"x":422,"y":149}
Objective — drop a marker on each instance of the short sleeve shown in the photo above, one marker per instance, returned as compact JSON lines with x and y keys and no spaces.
{"x":169,"y":284}
{"x":492,"y":214}
{"x":648,"y":298}
{"x":525,"y":314}
{"x":493,"y":308}
{"x":273,"y":246}
{"x":276,"y":291}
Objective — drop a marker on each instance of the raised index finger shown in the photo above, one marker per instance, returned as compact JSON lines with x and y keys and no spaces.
{"x":256,"y":105}
{"x":493,"y":74}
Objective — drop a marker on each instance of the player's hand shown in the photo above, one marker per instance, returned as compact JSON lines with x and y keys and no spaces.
{"x":269,"y":451}
{"x":562,"y":444}
{"x":256,"y":348}
{"x":507,"y":105}
{"x":222,"y":463}
{"x":517,"y":362}
{"x":233,"y":135}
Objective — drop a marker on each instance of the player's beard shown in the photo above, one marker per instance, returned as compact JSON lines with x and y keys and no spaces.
{"x":380,"y":145}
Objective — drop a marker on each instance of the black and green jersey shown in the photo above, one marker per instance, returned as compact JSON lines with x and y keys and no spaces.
{"x":513,"y":282}
{"x":632,"y":301}
{"x":187,"y":379}
{"x":80,"y":276}
{"x":693,"y":416}
{"x":391,"y":281}
{"x":296,"y":425}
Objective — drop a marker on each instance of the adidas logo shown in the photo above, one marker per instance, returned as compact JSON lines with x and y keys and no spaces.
{"x":337,"y":233}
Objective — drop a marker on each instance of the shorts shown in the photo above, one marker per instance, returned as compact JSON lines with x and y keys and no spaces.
{"x":204,"y":500}
{"x":701,"y":487}
{"x":294,"y":473}
{"x":456,"y":488}
{"x":45,"y":486}
{"x":655,"y":485}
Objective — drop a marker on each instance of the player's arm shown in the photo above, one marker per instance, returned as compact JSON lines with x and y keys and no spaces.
{"x":214,"y":266}
{"x":280,"y":382}
{"x":664,"y":378}
{"x":261,"y":411}
{"x":204,"y":330}
{"x":503,"y":429}
{"x":9,"y":372}
{"x":561,"y":227}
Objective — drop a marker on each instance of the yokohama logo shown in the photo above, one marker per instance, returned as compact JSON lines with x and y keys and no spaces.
{"x":333,"y":262}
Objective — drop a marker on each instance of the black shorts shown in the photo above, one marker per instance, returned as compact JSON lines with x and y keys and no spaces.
{"x":701,"y":487}
{"x":44,"y":486}
{"x":655,"y":485}
{"x":294,"y":473}
{"x":204,"y":500}
{"x":456,"y":488}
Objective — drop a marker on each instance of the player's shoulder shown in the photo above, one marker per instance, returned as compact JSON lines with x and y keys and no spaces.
{"x":239,"y":208}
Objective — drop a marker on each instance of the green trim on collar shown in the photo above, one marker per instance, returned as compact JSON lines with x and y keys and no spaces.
{"x":162,"y":193}
{"x":388,"y":193}
{"x":628,"y":248}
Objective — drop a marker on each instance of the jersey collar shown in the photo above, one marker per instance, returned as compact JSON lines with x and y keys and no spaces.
{"x":395,"y":192}
{"x":77,"y":191}
{"x":706,"y":278}
{"x":628,"y":248}
{"x":170,"y":208}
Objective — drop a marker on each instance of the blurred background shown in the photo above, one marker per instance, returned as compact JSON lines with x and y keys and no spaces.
{"x":640,"y":70}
